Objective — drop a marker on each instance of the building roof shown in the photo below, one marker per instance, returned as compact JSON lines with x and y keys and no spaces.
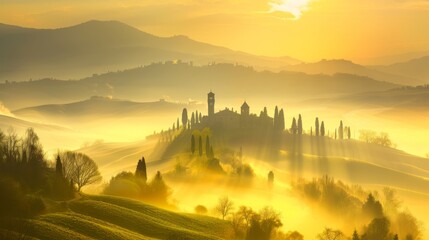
{"x":225,"y":113}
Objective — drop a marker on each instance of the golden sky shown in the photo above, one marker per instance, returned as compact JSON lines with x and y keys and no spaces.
{"x":305,"y":29}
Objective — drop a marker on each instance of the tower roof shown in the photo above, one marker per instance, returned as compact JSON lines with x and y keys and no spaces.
{"x":245,"y":105}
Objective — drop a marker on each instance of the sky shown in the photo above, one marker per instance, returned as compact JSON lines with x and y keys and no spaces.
{"x":309,"y":30}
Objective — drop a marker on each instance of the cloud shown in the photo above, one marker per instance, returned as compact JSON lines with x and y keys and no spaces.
{"x":294,"y":7}
{"x":4,"y":110}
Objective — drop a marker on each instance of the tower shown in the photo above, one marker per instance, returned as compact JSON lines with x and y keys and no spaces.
{"x":245,"y":109}
{"x":211,"y":103}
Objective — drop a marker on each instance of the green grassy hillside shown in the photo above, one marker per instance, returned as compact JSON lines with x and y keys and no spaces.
{"x":106,"y":217}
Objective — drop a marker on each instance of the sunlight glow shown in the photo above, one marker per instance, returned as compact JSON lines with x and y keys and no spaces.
{"x":294,"y":7}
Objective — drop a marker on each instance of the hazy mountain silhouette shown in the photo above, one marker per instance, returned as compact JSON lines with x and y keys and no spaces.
{"x":417,"y":68}
{"x":392,"y":59}
{"x":345,"y":66}
{"x":101,"y":46}
{"x":184,"y":81}
{"x":409,"y":99}
{"x":98,"y":106}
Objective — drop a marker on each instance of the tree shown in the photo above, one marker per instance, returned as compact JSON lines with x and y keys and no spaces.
{"x":224,"y":207}
{"x":193,"y":144}
{"x":341,"y":131}
{"x":293,"y":128}
{"x":299,"y":124}
{"x":200,"y":209}
{"x":263,"y":224}
{"x":378,"y":229}
{"x":158,"y":190}
{"x":80,"y":168}
{"x":141,"y":169}
{"x":177,"y":124}
{"x":294,"y":236}
{"x":200,"y":146}
{"x":184,"y":117}
{"x":317,"y":126}
{"x":349,"y":134}
{"x":59,"y":166}
{"x":192,"y":120}
{"x":396,"y":237}
{"x":276,"y":118}
{"x":322,"y":129}
{"x":372,"y":208}
{"x":196,"y":117}
{"x":271,"y":177}
{"x":355,"y":235}
{"x":200,"y":117}
{"x":330,"y":234}
{"x":281,"y":120}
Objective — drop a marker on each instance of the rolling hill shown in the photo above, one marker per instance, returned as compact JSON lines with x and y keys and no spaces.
{"x":106,"y":217}
{"x":416,"y":68}
{"x":102,"y":107}
{"x":344,"y":66}
{"x":410,"y":99}
{"x":182,"y":81}
{"x":101,"y":46}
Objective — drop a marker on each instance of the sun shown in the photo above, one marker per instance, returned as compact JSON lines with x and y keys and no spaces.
{"x":294,"y":7}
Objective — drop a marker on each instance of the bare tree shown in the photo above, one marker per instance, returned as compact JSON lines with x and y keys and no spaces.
{"x":224,"y":206}
{"x":80,"y":168}
{"x":330,"y":234}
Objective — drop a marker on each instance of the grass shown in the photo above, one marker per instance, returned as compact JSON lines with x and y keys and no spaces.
{"x":107,"y":217}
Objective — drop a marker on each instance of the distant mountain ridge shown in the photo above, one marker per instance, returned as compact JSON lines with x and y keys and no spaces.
{"x":345,"y":66}
{"x":101,"y":46}
{"x":417,"y":68}
{"x":183,"y":81}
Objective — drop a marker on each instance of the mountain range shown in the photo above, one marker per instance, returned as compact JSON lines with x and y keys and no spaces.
{"x":101,"y":46}
{"x":96,"y":47}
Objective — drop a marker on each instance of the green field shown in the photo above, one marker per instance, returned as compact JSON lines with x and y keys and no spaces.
{"x":106,"y":217}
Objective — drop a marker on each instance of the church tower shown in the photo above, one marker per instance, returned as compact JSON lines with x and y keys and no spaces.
{"x":245,"y":109}
{"x":211,"y":103}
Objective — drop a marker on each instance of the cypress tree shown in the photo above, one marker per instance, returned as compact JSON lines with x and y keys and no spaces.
{"x":201,"y":117}
{"x":293,"y":127}
{"x":192,"y":144}
{"x":341,"y":131}
{"x":265,"y":111}
{"x":196,"y":117}
{"x":192,"y":120}
{"x":281,"y":120}
{"x":141,"y":169}
{"x":200,"y":146}
{"x":177,"y":124}
{"x":349,"y":134}
{"x":184,"y":117}
{"x":59,"y":166}
{"x":276,"y":118}
{"x":322,"y":129}
{"x":299,"y":124}
{"x":317,"y":126}
{"x":271,"y":177}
